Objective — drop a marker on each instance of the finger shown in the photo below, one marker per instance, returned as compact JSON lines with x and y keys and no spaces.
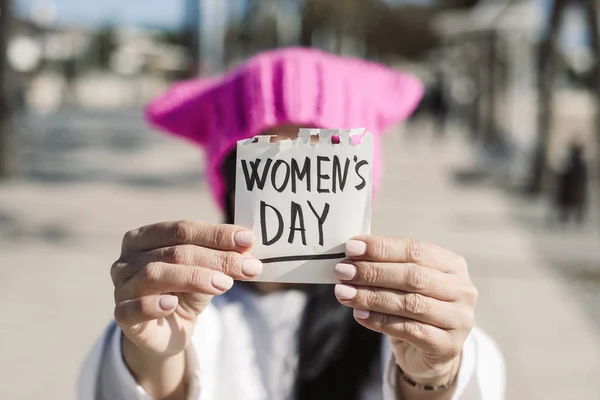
{"x":165,"y":234}
{"x":238,"y":266}
{"x":404,"y":250}
{"x":408,"y":305}
{"x":156,"y":278}
{"x":406,"y":277}
{"x":234,"y":264}
{"x":427,"y":338}
{"x":130,"y":313}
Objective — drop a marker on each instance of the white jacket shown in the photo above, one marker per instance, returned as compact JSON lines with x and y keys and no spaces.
{"x":241,"y":350}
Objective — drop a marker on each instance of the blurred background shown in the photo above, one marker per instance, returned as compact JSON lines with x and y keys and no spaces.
{"x":500,"y":162}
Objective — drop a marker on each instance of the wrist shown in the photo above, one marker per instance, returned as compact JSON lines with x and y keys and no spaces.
{"x":443,"y":376}
{"x":161,"y":377}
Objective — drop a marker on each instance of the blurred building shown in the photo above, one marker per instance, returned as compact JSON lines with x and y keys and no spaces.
{"x":206,"y":23}
{"x":491,"y":63}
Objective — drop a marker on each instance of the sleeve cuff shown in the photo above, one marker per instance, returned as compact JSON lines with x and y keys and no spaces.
{"x":116,"y":377}
{"x":123,"y":382}
{"x":465,"y":374}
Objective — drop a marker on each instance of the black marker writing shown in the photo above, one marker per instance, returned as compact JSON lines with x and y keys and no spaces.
{"x":338,"y":175}
{"x":253,"y":178}
{"x":297,"y":213}
{"x":301,"y":173}
{"x":263,"y":224}
{"x":321,"y":176}
{"x":359,"y":164}
{"x":321,"y":219}
{"x":286,"y":178}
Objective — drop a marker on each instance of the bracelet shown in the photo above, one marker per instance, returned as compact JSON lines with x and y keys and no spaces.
{"x":420,"y":386}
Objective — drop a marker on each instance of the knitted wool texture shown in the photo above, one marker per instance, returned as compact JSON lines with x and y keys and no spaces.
{"x":299,"y":86}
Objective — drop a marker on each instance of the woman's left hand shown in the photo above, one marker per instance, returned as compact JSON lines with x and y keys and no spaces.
{"x":418,"y":294}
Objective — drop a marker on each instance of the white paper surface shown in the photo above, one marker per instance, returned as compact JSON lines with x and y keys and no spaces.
{"x":303,"y":201}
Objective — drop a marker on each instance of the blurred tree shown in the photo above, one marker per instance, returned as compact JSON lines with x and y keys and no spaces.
{"x":5,"y":104}
{"x":177,"y":38}
{"x":401,"y":31}
{"x":386,"y":30}
{"x":103,"y":44}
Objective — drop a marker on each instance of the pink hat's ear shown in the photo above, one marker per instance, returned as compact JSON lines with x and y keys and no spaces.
{"x":404,"y":92}
{"x":177,"y":110}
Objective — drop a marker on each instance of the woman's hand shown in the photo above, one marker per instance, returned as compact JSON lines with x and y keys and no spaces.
{"x":418,"y":294}
{"x":166,"y":276}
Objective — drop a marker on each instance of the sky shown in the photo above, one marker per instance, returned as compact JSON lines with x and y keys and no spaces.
{"x":167,"y":13}
{"x":163,"y":13}
{"x":158,"y":13}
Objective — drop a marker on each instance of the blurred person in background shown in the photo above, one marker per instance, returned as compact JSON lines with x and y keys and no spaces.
{"x":572,"y":187}
{"x":70,"y":73}
{"x":400,"y":325}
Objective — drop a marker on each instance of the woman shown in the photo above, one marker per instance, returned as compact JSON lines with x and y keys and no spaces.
{"x":398,"y":326}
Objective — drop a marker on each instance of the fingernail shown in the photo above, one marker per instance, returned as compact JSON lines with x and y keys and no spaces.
{"x":344,"y":272}
{"x":244,"y":238}
{"x":252,"y":266}
{"x":344,"y":292}
{"x":361,"y":314}
{"x":355,"y":248}
{"x":222,"y":281}
{"x":167,"y":303}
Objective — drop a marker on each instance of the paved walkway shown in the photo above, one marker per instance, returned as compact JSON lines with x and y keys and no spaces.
{"x":89,"y":178}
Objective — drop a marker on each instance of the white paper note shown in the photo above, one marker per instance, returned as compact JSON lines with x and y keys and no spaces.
{"x":304,"y":200}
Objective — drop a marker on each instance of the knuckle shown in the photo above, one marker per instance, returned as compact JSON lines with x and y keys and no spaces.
{"x":415,"y":304}
{"x":471,"y":294}
{"x":143,"y":307}
{"x":369,"y":272}
{"x":414,"y":250}
{"x":228,"y":263}
{"x":467,"y":320}
{"x":129,"y":237}
{"x":461,"y":262}
{"x":151,"y":273}
{"x":178,"y":255}
{"x":121,"y":312}
{"x":169,"y":255}
{"x":117,"y":295}
{"x":220,"y":236}
{"x":183,"y":231}
{"x":453,"y":348}
{"x":368,"y":298}
{"x":118,"y":313}
{"x":417,"y":278}
{"x":414,"y":330}
{"x":381,"y":322}
{"x":196,"y":277}
{"x":378,"y":249}
{"x":115,"y":270}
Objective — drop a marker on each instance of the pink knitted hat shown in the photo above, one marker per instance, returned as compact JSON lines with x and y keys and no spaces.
{"x":298,"y":86}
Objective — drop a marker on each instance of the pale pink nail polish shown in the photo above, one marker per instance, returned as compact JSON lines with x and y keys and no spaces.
{"x":344,"y":272}
{"x":344,"y":292}
{"x":167,"y":303}
{"x":355,"y":248}
{"x":361,"y":314}
{"x":244,"y":238}
{"x":252,"y":267}
{"x":222,"y":281}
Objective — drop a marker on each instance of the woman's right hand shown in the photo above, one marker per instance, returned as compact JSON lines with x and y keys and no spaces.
{"x":168,"y":273}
